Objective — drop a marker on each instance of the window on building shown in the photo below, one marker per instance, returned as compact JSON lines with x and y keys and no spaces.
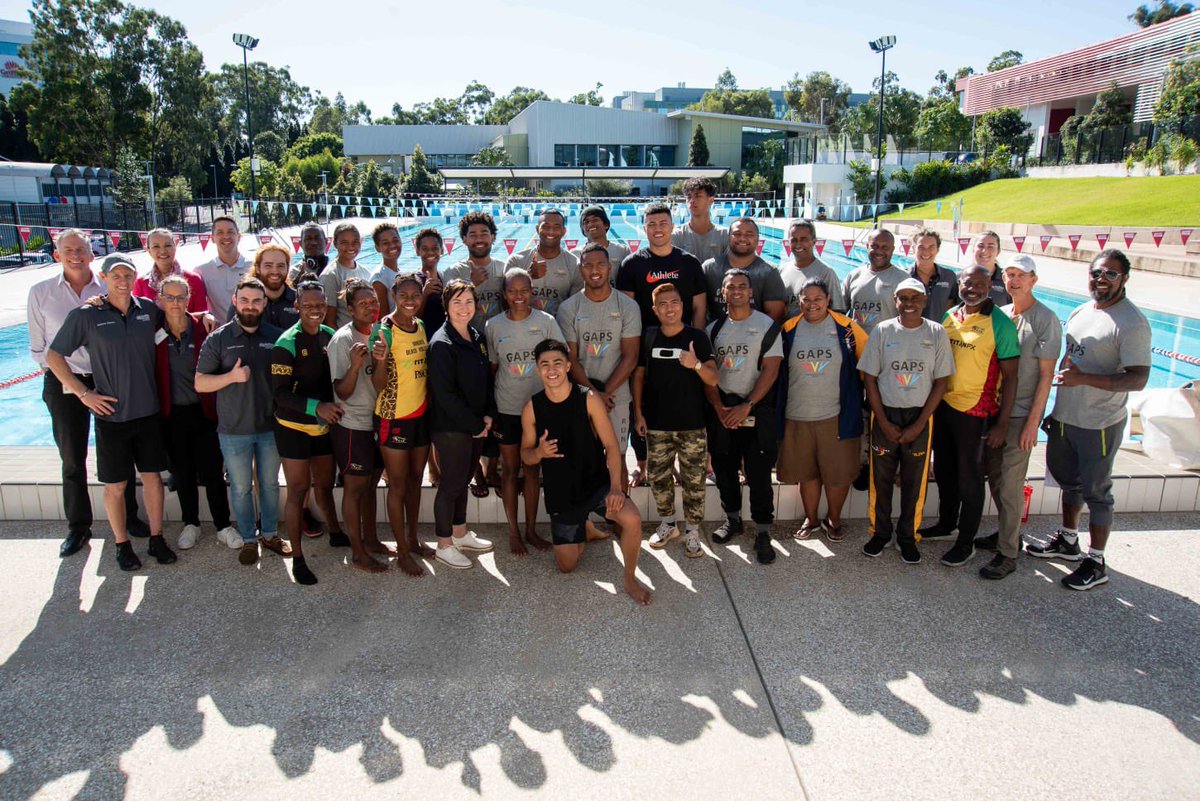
{"x":660,"y":155}
{"x":631,"y":155}
{"x":564,"y":155}
{"x":586,"y":155}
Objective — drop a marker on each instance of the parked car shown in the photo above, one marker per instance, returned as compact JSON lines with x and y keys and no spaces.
{"x":100,"y":245}
{"x":821,"y":213}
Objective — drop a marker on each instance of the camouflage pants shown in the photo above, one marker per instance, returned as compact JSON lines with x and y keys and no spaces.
{"x":662,"y":447}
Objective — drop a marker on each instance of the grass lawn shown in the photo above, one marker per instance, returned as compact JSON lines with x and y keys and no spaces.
{"x":1172,"y":200}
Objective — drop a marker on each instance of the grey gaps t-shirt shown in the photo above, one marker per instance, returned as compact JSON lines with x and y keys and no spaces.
{"x":870,"y":296}
{"x":737,"y":348}
{"x":562,"y":278}
{"x":510,"y":346}
{"x":793,"y":278}
{"x":906,"y":361}
{"x":1102,"y":342}
{"x":765,"y":284}
{"x":1040,"y":335}
{"x":487,"y":295}
{"x":814,"y":372}
{"x":360,"y":406}
{"x":616,"y":254}
{"x":334,"y":280}
{"x":597,"y":330}
{"x":702,"y":246}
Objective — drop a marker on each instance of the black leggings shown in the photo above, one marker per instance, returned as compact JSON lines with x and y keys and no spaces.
{"x":457,"y":456}
{"x":196,"y":459}
{"x":958,"y":466}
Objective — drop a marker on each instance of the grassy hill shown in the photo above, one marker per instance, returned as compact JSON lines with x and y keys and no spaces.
{"x":1172,"y":200}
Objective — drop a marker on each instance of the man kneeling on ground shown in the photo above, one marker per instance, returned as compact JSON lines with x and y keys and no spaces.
{"x":569,"y":423}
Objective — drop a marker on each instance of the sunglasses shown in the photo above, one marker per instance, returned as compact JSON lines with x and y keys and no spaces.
{"x":1100,"y":272}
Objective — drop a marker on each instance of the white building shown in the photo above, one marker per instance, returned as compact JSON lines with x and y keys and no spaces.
{"x":13,"y":34}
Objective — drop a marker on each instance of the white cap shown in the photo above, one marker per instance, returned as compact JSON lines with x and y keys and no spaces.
{"x":1024,"y":263}
{"x":911,"y":283}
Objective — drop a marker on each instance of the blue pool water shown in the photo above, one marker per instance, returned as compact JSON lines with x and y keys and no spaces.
{"x":26,"y":421}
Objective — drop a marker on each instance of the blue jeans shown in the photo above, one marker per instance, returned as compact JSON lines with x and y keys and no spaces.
{"x":244,"y":452}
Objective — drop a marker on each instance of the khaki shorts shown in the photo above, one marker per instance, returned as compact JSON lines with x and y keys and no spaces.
{"x":811,"y":451}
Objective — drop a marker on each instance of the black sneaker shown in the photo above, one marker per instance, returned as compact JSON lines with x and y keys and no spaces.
{"x":136,"y":527}
{"x":763,"y":548}
{"x":1089,"y":574}
{"x":936,"y":532}
{"x":159,"y":550}
{"x":728,"y":530}
{"x":126,"y":559}
{"x":338,"y":539}
{"x":1057,"y":548}
{"x":998,"y":568}
{"x":958,"y":555}
{"x":875,"y":545}
{"x":863,"y":481}
{"x":909,"y":554}
{"x":989,"y":542}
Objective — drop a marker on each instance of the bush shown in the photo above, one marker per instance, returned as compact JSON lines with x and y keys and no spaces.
{"x":933,"y":179}
{"x":862,"y":179}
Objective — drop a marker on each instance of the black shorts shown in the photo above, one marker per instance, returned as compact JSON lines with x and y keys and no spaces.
{"x":355,"y":451}
{"x":293,"y":444}
{"x":568,"y":528}
{"x":403,"y":434}
{"x":506,"y":429}
{"x":120,"y":447}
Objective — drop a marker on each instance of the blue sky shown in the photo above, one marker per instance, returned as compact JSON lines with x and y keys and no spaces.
{"x":385,"y":51}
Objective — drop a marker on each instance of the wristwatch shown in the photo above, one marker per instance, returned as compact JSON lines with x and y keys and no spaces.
{"x":699,"y":365}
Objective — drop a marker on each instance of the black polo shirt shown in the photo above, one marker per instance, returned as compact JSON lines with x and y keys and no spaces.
{"x":280,"y":312}
{"x":122,"y":349}
{"x":247,"y":408}
{"x":941,"y":294}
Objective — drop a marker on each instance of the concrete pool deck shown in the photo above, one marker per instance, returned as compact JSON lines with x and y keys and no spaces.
{"x":824,"y":676}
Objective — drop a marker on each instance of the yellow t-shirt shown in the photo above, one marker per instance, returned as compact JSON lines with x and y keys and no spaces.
{"x":979,"y":342}
{"x":404,"y":394}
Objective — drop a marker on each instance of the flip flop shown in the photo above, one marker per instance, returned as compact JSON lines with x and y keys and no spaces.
{"x":833,"y":533}
{"x":480,"y":490}
{"x":806,"y":530}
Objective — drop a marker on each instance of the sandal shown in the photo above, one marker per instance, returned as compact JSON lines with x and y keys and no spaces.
{"x":833,"y":533}
{"x":480,"y":490}
{"x":806,"y":530}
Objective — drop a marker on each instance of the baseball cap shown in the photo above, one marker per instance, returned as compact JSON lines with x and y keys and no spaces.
{"x":1024,"y":263}
{"x":911,"y":283}
{"x":116,"y":260}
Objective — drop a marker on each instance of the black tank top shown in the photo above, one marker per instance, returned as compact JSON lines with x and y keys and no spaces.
{"x":583,"y":471}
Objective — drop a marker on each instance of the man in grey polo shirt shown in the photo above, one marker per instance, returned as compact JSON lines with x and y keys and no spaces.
{"x":235,"y":363}
{"x":870,"y":290}
{"x":554,"y":271}
{"x":222,"y":273}
{"x":1040,"y":336}
{"x":119,"y":331}
{"x":594,"y":223}
{"x":1107,"y":357}
{"x":767,"y":294}
{"x":477,"y":230}
{"x":803,"y":265}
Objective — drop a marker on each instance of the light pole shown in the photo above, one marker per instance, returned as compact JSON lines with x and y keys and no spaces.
{"x":248,"y":43}
{"x":216,"y":187}
{"x":880,"y":46}
{"x":149,"y":176}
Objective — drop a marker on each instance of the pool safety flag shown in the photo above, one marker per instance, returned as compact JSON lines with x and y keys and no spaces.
{"x":510,"y":245}
{"x":787,"y":248}
{"x":848,"y":244}
{"x":1045,"y":240}
{"x":178,"y":239}
{"x":1102,"y":240}
{"x":54,"y":232}
{"x":1074,"y":240}
{"x":328,"y":244}
{"x":142,"y":235}
{"x":761,"y":242}
{"x":963,"y":243}
{"x":1185,"y":234}
{"x":1019,"y":241}
{"x":204,"y":238}
{"x":906,"y":245}
{"x":1158,"y":237}
{"x":819,"y":246}
{"x":572,"y":244}
{"x":1129,"y":237}
{"x":296,"y":244}
{"x":449,"y":243}
{"x":25,"y":232}
{"x":264,"y":239}
{"x":115,"y":236}
{"x":634,"y":244}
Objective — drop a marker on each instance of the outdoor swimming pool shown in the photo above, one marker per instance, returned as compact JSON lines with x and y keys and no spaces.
{"x":27,"y":423}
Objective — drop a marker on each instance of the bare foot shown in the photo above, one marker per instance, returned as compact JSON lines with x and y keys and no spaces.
{"x":639,"y":593}
{"x":409,"y":566}
{"x":368,"y":564}
{"x":637,"y":478}
{"x":536,"y":541}
{"x":594,"y":533}
{"x":418,"y":548}
{"x":377,"y":547}
{"x":517,"y":545}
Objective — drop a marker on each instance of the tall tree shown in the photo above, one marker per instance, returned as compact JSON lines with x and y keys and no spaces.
{"x":505,"y":108}
{"x":1009,"y":58}
{"x":314,"y":143}
{"x":589,"y":98}
{"x":1110,"y":110}
{"x":14,"y":134}
{"x":1180,"y":98}
{"x":1145,"y":16}
{"x":277,"y":103}
{"x":945,"y":86}
{"x":491,"y":157}
{"x":442,"y":111}
{"x":269,"y":145}
{"x":943,"y":126}
{"x":698,"y":149}
{"x":901,"y":111}
{"x":1004,"y":126}
{"x":726,"y":81}
{"x":476,"y":99}
{"x":804,"y":97}
{"x":751,"y":103}
{"x":420,"y":180}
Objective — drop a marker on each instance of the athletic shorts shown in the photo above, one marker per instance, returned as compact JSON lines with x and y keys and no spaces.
{"x":403,"y":434}
{"x":355,"y":451}
{"x":569,"y":527}
{"x":506,"y":429}
{"x":293,"y":444}
{"x":811,"y":451}
{"x":120,"y":447}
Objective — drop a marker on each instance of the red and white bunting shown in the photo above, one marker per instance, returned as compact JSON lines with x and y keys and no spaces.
{"x":179,"y":239}
{"x":143,"y":235}
{"x":264,"y":239}
{"x":906,"y":246}
{"x":115,"y":236}
{"x":54,"y":232}
{"x":204,"y":238}
{"x":510,"y":245}
{"x":758,"y":250}
{"x":1129,"y":237}
{"x":787,"y":248}
{"x":1074,"y":240}
{"x":572,"y":244}
{"x":818,"y":246}
{"x":449,"y":243}
{"x":1102,"y":240}
{"x":1046,"y":239}
{"x":1158,"y":237}
{"x":1019,"y":241}
{"x":26,"y":231}
{"x":1185,"y":234}
{"x":848,"y":244}
{"x":296,"y":244}
{"x":328,"y":244}
{"x":964,"y":242}
{"x":634,"y":244}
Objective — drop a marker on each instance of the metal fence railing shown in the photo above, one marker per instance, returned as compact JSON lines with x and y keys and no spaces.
{"x":1108,"y":145}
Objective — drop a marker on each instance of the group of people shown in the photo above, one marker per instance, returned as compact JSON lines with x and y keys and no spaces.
{"x":712,"y":363}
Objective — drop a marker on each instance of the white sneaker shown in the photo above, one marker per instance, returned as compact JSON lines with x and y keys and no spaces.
{"x":691,"y":543}
{"x":187,"y":537}
{"x":229,"y":537}
{"x":664,"y":534}
{"x":452,"y":557}
{"x":471,"y":542}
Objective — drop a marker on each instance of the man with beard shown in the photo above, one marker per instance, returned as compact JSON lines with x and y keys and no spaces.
{"x":767,"y":294}
{"x":554,"y":271}
{"x":478,"y":233}
{"x":235,"y":363}
{"x":1107,"y":357}
{"x":222,"y":274}
{"x":870,"y":290}
{"x":314,"y":249}
{"x":271,"y":267}
{"x":595,"y":226}
{"x":804,"y":265}
{"x":700,"y":236}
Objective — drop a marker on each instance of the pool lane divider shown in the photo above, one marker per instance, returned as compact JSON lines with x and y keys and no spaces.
{"x":19,"y":379}
{"x":1183,"y":357}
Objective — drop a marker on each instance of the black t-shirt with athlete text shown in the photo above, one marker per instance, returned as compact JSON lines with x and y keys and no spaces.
{"x":672,"y":395}
{"x":641,"y":272}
